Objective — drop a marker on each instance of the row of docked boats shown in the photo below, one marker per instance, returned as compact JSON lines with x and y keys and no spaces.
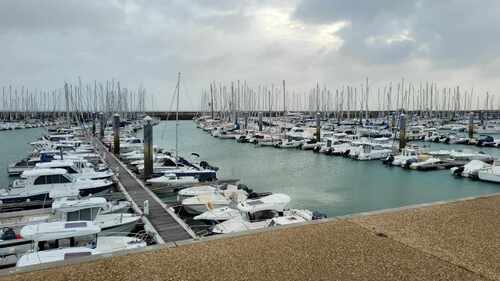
{"x":368,"y":141}
{"x":7,"y":126}
{"x":59,"y":204}
{"x":211,"y":205}
{"x":232,"y":208}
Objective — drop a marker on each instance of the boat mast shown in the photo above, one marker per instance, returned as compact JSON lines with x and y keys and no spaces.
{"x":211,"y":101}
{"x":177,"y":121}
{"x":284,"y":99}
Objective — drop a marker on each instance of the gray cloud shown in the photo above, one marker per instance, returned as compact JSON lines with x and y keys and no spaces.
{"x":263,"y":42}
{"x":449,"y":33}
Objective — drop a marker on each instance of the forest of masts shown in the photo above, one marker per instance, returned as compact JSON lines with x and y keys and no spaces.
{"x":108,"y":97}
{"x":423,"y":97}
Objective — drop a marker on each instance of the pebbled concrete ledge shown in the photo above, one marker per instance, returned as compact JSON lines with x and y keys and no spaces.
{"x":445,"y":241}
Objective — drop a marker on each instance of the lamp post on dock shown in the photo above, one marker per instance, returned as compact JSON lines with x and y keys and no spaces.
{"x":148,"y":148}
{"x":116,"y":133}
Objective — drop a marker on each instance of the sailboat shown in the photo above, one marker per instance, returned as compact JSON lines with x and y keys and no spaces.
{"x":180,"y":174}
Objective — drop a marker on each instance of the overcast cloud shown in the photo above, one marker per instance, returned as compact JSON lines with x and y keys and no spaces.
{"x":335,"y":42}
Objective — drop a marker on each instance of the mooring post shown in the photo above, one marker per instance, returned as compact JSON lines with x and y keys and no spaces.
{"x":393,"y":121}
{"x":102,"y":125}
{"x":481,"y":118}
{"x":402,"y":131}
{"x":93,"y":123}
{"x":116,"y":133}
{"x":471,"y":125}
{"x":260,"y":121}
{"x":318,"y":127}
{"x":246,"y":121}
{"x":148,"y":148}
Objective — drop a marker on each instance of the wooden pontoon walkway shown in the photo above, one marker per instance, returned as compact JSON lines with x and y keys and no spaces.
{"x":166,"y":223}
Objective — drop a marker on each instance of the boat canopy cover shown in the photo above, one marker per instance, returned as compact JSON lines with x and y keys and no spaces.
{"x":58,"y":230}
{"x":277,"y":201}
{"x":43,"y":172}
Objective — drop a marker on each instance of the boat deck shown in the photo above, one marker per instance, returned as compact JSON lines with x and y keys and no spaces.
{"x":166,"y":223}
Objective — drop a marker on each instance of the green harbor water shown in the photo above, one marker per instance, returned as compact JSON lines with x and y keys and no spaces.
{"x":330,"y":184}
{"x":15,"y":145}
{"x":333,"y":185}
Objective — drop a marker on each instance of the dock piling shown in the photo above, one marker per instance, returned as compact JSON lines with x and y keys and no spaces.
{"x":93,"y":123}
{"x":148,"y":148}
{"x":471,"y":125}
{"x":318,"y":127}
{"x":116,"y":133}
{"x":260,"y":121}
{"x":102,"y":125}
{"x":402,"y":131}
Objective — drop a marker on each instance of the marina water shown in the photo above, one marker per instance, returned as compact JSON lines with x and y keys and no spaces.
{"x":331,"y":184}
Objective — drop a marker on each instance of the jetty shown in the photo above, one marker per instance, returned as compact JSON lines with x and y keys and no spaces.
{"x":167,"y":225}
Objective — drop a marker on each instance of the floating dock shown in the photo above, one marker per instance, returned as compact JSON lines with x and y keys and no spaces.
{"x":167,"y":225}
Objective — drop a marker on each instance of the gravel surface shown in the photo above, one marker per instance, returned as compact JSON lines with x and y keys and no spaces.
{"x":336,"y":250}
{"x":465,"y":233}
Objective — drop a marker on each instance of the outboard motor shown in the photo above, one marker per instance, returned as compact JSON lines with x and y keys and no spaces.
{"x":388,"y":160}
{"x":408,"y":163}
{"x":245,"y":188}
{"x":8,"y":234}
{"x":206,"y":166}
{"x":318,"y":216}
{"x":346,"y":153}
{"x":458,"y":171}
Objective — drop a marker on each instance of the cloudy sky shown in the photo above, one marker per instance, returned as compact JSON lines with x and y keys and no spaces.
{"x":335,"y":42}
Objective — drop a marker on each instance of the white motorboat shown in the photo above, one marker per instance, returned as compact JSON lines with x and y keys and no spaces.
{"x":200,"y":190}
{"x":470,"y":155}
{"x":204,"y":202}
{"x":373,"y":152}
{"x":440,"y":153}
{"x":491,"y":174}
{"x":262,"y":220}
{"x":296,"y":133}
{"x":470,"y":170}
{"x":423,"y":163}
{"x":171,"y":180}
{"x":310,"y":144}
{"x":19,"y":167}
{"x":38,"y":183}
{"x":95,"y":209}
{"x":219,"y":214}
{"x":276,"y":202}
{"x":407,"y":154}
{"x":285,"y":143}
{"x":492,"y":128}
{"x":79,"y":169}
{"x":77,"y":232}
